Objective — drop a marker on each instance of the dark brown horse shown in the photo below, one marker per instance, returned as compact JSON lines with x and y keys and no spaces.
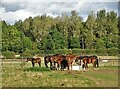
{"x":34,"y":60}
{"x":87,"y":60}
{"x":70,"y":60}
{"x":46,"y":60}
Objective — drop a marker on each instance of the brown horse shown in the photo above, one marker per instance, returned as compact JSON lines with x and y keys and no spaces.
{"x":87,"y":60}
{"x":70,"y":59}
{"x":57,"y":58}
{"x":34,"y":60}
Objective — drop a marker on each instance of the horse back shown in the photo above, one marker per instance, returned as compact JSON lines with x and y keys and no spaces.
{"x":36,"y":60}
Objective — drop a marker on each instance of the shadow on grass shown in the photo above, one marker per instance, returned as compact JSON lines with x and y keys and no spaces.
{"x":37,"y":69}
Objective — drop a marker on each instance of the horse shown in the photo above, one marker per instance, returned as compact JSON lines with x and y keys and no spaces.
{"x":57,"y":58}
{"x":46,"y":60}
{"x":70,"y":59}
{"x":87,"y":60}
{"x":34,"y":60}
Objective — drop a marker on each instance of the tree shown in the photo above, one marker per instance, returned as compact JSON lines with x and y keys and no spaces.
{"x":90,"y":38}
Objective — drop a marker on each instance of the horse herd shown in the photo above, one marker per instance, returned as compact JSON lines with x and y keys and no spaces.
{"x":61,"y":62}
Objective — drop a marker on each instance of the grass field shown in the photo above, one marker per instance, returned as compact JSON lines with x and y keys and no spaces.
{"x":21,"y":74}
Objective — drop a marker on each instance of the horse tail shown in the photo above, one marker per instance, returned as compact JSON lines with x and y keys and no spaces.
{"x":46,"y":61}
{"x":97,"y":61}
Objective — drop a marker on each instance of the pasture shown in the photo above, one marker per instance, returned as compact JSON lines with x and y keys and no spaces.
{"x":21,"y":74}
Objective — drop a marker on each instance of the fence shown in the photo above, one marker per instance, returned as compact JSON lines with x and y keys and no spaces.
{"x":103,"y":61}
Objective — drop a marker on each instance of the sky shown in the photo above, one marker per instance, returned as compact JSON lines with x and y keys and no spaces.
{"x":14,"y":10}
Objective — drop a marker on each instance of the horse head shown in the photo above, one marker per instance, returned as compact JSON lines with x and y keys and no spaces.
{"x":29,"y":59}
{"x":78,"y":60}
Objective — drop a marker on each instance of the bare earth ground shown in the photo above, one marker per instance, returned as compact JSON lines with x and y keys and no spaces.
{"x":13,"y":75}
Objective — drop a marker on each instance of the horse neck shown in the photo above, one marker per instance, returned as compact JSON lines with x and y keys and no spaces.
{"x":30,"y":59}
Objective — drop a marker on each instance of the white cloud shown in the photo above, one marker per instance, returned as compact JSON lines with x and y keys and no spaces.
{"x":11,"y":17}
{"x":59,"y":0}
{"x":52,"y":15}
{"x":13,"y":10}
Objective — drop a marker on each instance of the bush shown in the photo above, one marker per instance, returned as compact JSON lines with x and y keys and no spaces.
{"x":9,"y":55}
{"x":41,"y":52}
{"x":89,"y":51}
{"x":83,"y":51}
{"x":63,"y":51}
{"x":113,"y":51}
{"x":101,"y":52}
{"x":78,"y":51}
{"x":28,"y":53}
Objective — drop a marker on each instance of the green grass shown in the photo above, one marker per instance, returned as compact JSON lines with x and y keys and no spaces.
{"x":37,"y":69}
{"x":112,"y":67}
{"x":23,"y":75}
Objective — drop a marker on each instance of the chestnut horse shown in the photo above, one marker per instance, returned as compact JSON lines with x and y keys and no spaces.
{"x":34,"y":60}
{"x":57,"y":58}
{"x":70,"y":59}
{"x":87,"y":60}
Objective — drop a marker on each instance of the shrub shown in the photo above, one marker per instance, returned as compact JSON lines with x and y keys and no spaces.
{"x":78,"y":51}
{"x":28,"y":53}
{"x":113,"y":51}
{"x":101,"y":52}
{"x":9,"y":55}
{"x":89,"y":52}
{"x":63,"y":51}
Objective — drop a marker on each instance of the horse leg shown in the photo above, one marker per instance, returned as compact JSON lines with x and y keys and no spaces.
{"x":71,"y":66}
{"x":97,"y":63}
{"x":46,"y":63}
{"x":58,"y":65}
{"x":94,"y":65}
{"x":85,"y":64}
{"x":39,"y":64}
{"x":33,"y":64}
{"x":50,"y":64}
{"x":55,"y":65}
{"x":68,"y":65}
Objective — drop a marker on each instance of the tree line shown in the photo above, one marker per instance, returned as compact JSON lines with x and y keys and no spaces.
{"x":45,"y":34}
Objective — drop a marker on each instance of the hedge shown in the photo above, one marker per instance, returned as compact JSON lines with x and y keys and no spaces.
{"x":100,"y":52}
{"x":31,"y":53}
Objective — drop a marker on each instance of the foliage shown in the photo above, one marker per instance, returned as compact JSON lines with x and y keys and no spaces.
{"x":47,"y":35}
{"x":63,"y":51}
{"x":9,"y":55}
{"x":28,"y":53}
{"x":114,"y":51}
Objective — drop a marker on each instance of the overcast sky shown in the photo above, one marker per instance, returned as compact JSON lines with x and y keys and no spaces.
{"x":12,"y":10}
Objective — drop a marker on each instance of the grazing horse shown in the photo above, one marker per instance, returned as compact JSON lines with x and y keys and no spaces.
{"x":70,"y":59}
{"x":34,"y":60}
{"x":87,"y":60}
{"x":57,"y":58}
